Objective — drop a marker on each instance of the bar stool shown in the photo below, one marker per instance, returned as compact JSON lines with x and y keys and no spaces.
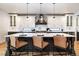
{"x":39,"y":44}
{"x":16,"y":45}
{"x":60,"y":44}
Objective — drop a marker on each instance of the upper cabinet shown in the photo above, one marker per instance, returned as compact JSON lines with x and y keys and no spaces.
{"x":70,"y":20}
{"x":77,"y":23}
{"x":13,"y":20}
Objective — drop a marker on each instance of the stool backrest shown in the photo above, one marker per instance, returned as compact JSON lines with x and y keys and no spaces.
{"x":37,"y":41}
{"x":60,"y":41}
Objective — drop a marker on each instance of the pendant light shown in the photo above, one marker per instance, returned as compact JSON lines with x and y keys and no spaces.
{"x":53,"y":10}
{"x":41,"y":15}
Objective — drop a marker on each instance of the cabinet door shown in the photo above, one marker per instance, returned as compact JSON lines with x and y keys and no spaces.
{"x":12,"y":21}
{"x":69,"y":20}
{"x":77,"y":21}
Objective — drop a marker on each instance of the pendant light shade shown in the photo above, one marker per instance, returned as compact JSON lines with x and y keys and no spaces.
{"x":41,"y":18}
{"x":41,"y":15}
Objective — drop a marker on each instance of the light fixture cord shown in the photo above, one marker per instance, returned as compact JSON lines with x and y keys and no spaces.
{"x":54,"y":9}
{"x":27,"y":9}
{"x":40,"y":8}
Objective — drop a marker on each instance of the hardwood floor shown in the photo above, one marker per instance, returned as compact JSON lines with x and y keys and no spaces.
{"x":3,"y":48}
{"x":76,"y":47}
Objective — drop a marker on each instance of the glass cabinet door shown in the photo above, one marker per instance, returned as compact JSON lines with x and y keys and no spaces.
{"x":69,"y":20}
{"x":12,"y":21}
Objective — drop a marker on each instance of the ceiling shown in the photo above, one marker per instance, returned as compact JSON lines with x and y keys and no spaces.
{"x":34,"y":8}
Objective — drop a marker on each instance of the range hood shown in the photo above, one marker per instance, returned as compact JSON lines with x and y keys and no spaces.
{"x":41,"y":20}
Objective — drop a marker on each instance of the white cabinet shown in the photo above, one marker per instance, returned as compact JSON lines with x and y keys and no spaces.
{"x":13,"y":21}
{"x":77,"y":23}
{"x":70,"y":22}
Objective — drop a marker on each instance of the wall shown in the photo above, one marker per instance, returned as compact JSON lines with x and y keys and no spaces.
{"x":25,"y":23}
{"x":56,"y":23}
{"x":22,"y":23}
{"x":30,"y":23}
{"x":4,"y":25}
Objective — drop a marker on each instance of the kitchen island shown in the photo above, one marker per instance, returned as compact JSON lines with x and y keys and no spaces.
{"x":70,"y":38}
